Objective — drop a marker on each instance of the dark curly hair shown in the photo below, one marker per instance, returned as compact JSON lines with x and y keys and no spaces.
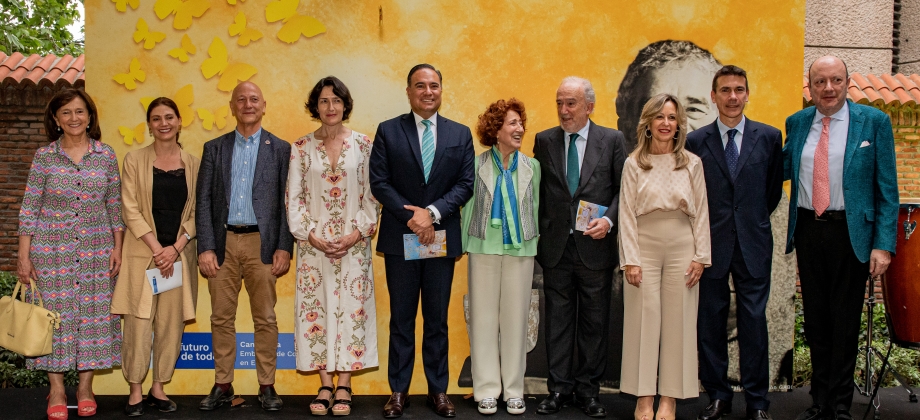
{"x":338,"y":88}
{"x":491,"y":121}
{"x":64,"y":97}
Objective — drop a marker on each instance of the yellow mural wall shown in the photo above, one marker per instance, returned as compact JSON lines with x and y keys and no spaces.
{"x":195,"y":51}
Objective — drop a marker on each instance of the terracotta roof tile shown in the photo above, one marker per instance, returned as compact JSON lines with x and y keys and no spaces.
{"x":49,"y":70}
{"x":885,"y":90}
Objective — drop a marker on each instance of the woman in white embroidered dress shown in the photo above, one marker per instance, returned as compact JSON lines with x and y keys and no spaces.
{"x":333,"y":215}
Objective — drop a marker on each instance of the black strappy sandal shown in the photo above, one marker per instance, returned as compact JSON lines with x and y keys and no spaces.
{"x":347,"y":403}
{"x":325,"y":403}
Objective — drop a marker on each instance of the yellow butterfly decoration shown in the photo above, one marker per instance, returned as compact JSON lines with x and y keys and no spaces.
{"x":133,"y":135}
{"x":143,"y":33}
{"x":294,"y":25}
{"x":184,"y":10}
{"x":134,"y":74}
{"x":217,"y":118}
{"x":183,"y":98}
{"x":218,"y":63}
{"x":186,"y":48}
{"x":233,"y":2}
{"x":247,"y":35}
{"x":121,"y":5}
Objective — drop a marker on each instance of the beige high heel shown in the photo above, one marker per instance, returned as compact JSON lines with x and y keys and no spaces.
{"x":648,"y":413}
{"x":673,"y":414}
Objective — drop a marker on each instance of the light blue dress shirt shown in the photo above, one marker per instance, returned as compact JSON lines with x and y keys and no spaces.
{"x":242,"y":171}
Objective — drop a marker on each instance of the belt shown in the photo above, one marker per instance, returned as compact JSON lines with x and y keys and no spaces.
{"x":243,"y":228}
{"x":828,"y":215}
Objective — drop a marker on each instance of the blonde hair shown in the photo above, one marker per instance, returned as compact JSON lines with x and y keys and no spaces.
{"x":644,"y":133}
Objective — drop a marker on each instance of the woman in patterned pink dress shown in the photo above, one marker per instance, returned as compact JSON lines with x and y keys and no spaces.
{"x":70,"y":234}
{"x":332,"y":214}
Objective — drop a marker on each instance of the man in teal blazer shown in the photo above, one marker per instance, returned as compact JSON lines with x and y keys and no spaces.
{"x":842,"y":219}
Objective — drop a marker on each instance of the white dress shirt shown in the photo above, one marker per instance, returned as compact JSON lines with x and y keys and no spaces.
{"x":723,"y":132}
{"x":421,"y":132}
{"x":836,"y":149}
{"x":580,"y":143}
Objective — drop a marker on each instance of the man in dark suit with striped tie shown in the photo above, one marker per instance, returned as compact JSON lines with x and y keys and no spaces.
{"x":743,"y":165}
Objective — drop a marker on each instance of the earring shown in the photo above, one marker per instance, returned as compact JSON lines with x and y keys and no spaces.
{"x":648,"y":133}
{"x":59,"y":129}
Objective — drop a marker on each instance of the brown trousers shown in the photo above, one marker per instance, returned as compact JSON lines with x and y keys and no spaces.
{"x":242,"y":264}
{"x":162,"y":332}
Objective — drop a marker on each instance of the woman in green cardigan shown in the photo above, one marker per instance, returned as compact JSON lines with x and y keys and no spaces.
{"x":500,"y":233}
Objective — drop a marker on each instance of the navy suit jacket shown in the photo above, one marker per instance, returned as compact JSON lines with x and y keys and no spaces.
{"x":740,"y":206}
{"x":870,"y":177}
{"x":268,"y":190}
{"x":398,"y":178}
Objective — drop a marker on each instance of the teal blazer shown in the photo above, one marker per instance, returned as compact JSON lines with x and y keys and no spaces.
{"x":870,"y":178}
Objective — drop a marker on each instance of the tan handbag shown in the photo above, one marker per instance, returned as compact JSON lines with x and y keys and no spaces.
{"x":26,"y":328}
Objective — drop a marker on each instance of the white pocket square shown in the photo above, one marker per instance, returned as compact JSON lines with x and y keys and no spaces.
{"x":865,"y":143}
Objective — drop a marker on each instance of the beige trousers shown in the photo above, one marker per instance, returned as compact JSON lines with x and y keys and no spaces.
{"x":659,"y":319}
{"x":242,"y":264}
{"x":499,"y":304}
{"x":162,"y":333}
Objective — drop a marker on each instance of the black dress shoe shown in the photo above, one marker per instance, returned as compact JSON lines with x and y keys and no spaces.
{"x":395,"y":405}
{"x":441,"y":405}
{"x":134,"y":410}
{"x":843,"y":414}
{"x":216,"y":398}
{"x":715,"y":410}
{"x":270,"y":399}
{"x":812,"y":413}
{"x":554,"y":402}
{"x":166,"y":406}
{"x":592,"y":407}
{"x":758,"y":415}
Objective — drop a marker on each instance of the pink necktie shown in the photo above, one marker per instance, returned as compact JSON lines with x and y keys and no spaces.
{"x":821,"y":190}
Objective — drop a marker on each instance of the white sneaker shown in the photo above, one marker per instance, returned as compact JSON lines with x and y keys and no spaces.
{"x":488,"y":406}
{"x":515,"y":406}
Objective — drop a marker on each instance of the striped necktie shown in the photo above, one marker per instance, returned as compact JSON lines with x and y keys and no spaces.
{"x":427,"y":148}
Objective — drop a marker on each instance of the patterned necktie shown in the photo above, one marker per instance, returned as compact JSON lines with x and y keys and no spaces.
{"x":571,"y":169}
{"x":427,"y":148}
{"x":820,"y":187}
{"x":731,"y":152}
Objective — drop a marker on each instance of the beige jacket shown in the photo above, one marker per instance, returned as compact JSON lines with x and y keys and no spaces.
{"x":133,"y":294}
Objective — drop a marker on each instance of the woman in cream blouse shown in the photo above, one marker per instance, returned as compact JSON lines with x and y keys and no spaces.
{"x":664,"y":246}
{"x":500,"y":233}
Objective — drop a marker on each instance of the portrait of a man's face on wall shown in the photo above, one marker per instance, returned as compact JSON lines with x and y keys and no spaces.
{"x":680,"y":68}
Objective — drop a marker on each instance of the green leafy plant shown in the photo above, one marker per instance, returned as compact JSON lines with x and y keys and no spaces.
{"x":39,"y":27}
{"x":13,"y":372}
{"x":904,"y":361}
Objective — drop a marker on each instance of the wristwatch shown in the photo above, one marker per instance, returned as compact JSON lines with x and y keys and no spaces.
{"x":431,"y":213}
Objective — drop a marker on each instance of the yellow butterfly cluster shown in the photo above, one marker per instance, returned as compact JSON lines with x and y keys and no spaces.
{"x":294,"y":25}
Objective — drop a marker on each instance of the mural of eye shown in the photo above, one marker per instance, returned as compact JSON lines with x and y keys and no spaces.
{"x":183,"y":98}
{"x":247,"y":35}
{"x":121,"y":5}
{"x":132,"y":135}
{"x":185,"y":49}
{"x":217,"y":118}
{"x":218,"y":63}
{"x":184,"y":11}
{"x":143,"y":33}
{"x":134,"y":74}
{"x":294,"y":25}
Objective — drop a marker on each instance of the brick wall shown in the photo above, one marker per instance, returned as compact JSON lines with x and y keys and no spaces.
{"x":21,"y":133}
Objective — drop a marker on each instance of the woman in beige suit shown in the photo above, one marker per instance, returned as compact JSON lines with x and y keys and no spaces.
{"x":158,"y":195}
{"x":664,"y":246}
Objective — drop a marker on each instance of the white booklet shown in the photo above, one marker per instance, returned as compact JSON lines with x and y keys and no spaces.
{"x":161,"y":284}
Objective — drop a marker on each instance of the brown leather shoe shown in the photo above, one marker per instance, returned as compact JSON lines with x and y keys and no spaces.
{"x":441,"y":405}
{"x":394,"y":408}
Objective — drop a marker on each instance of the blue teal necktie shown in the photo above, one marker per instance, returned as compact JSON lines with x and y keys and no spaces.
{"x":427,"y":148}
{"x":731,"y":152}
{"x":571,"y":170}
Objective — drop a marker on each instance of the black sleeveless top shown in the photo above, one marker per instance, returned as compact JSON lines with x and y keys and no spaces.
{"x":169,"y":195}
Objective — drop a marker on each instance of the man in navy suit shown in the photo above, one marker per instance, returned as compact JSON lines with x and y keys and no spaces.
{"x":421,"y":171}
{"x":243,"y":236}
{"x":843,"y":216}
{"x":743,"y":165}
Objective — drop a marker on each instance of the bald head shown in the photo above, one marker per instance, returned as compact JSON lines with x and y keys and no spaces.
{"x":248,"y":107}
{"x":827,"y":82}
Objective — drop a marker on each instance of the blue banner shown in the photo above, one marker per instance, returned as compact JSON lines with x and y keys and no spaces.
{"x":197,"y":351}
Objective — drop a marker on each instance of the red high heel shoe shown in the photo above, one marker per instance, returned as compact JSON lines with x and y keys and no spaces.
{"x":57,"y":412}
{"x":87,"y":408}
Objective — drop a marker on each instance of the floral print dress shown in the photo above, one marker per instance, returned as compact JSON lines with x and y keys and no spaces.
{"x":335,"y":327}
{"x":71,"y":211}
